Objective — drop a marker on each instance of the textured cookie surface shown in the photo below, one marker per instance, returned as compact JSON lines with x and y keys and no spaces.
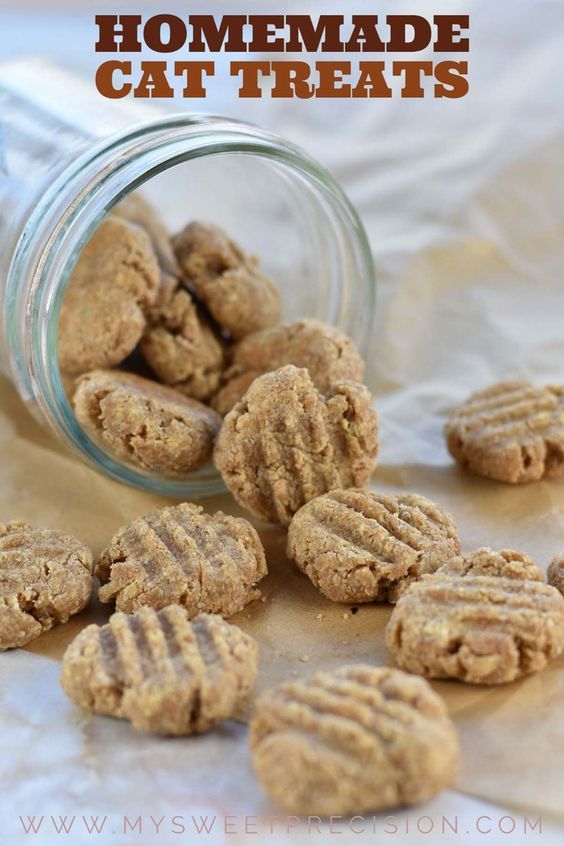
{"x":485,"y":629}
{"x":328,"y":354}
{"x":285,"y":443}
{"x":357,"y":739}
{"x":180,"y":554}
{"x":145,"y":423}
{"x":513,"y":432}
{"x":162,"y":672}
{"x":486,"y":562}
{"x":359,"y":545}
{"x":45,"y":577}
{"x":229,"y":283}
{"x":115,"y":279}
{"x":182,"y":348}
{"x":555,"y":573}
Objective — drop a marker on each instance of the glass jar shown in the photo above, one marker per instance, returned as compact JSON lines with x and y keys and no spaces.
{"x":67,"y":157}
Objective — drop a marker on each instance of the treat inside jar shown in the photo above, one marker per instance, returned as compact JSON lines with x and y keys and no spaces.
{"x":161,"y":334}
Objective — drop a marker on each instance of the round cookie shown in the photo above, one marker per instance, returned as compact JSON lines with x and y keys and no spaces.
{"x":45,"y":577}
{"x":182,"y":348}
{"x":328,"y":354}
{"x":362,"y":546}
{"x":180,"y":554}
{"x":357,"y":739}
{"x":162,"y":672}
{"x":512,"y":432}
{"x":555,"y":573}
{"x":483,"y":629}
{"x":285,"y":443}
{"x":237,"y":295}
{"x":145,"y":423}
{"x":115,"y":280}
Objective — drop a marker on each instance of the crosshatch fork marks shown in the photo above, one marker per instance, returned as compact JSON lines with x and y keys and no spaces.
{"x":359,"y":546}
{"x":163,"y":672}
{"x":180,"y":554}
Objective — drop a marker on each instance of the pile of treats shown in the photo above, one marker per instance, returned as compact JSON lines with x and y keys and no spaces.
{"x":296,"y":447}
{"x":160,"y":337}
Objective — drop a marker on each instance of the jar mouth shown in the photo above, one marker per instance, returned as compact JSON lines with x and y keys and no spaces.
{"x":69,"y":212}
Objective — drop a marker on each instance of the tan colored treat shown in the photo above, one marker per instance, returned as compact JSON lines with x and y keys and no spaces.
{"x":182,"y":348}
{"x":162,"y":672}
{"x":236,"y":293}
{"x":357,"y":739}
{"x":328,"y":354}
{"x":145,"y":423}
{"x":512,"y":432}
{"x":45,"y":578}
{"x":555,"y":573}
{"x":135,"y":209}
{"x":484,"y":629}
{"x":285,"y":443}
{"x":167,"y":289}
{"x":205,"y":250}
{"x":102,"y":317}
{"x":182,"y":555}
{"x":363,"y":546}
{"x":485,"y":562}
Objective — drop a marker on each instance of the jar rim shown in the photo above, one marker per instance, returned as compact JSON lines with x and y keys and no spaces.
{"x":65,"y":218}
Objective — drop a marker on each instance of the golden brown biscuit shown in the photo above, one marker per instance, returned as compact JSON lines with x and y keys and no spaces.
{"x":182,"y":555}
{"x":182,"y":348}
{"x":555,"y":573}
{"x":512,"y":432}
{"x":145,"y":423}
{"x":285,"y":443}
{"x":357,"y":739}
{"x":102,"y":316}
{"x":237,"y":295}
{"x":45,"y":577}
{"x":162,"y":672}
{"x":328,"y":354}
{"x":484,"y":629}
{"x":136,"y":209}
{"x":361,"y":546}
